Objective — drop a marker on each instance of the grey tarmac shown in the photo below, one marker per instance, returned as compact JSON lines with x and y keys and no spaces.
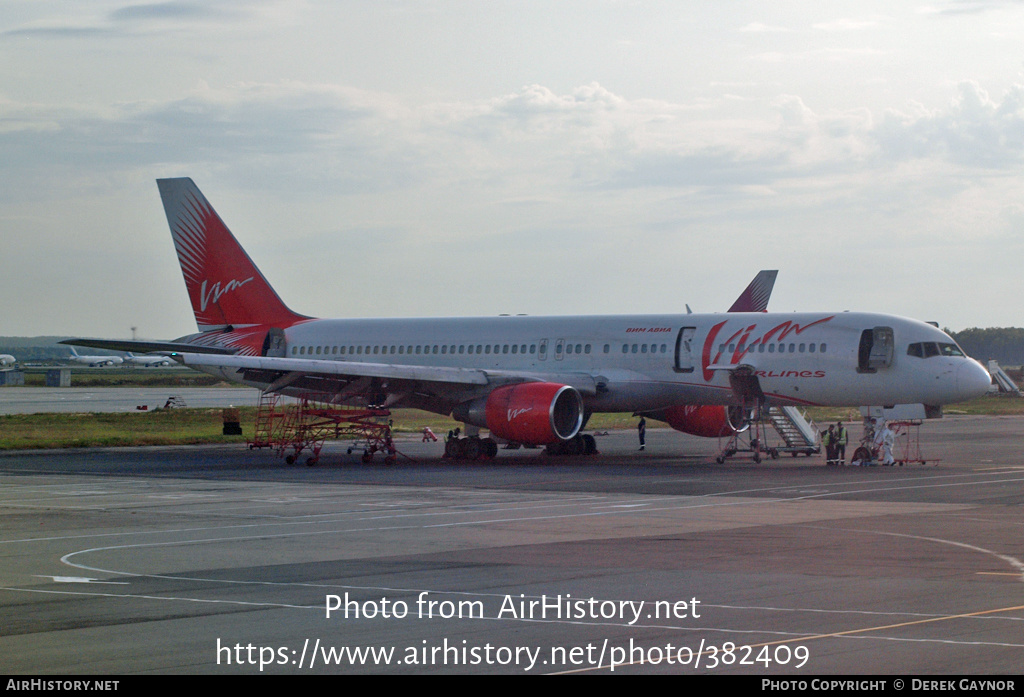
{"x":210,"y":560}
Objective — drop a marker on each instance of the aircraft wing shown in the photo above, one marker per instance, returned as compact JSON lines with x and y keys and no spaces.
{"x":344,"y":376}
{"x":166,"y":347}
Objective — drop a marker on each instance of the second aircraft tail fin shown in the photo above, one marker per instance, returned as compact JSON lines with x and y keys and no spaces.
{"x":755,"y":297}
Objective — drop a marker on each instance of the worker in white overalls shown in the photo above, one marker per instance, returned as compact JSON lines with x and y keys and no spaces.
{"x":886,"y":438}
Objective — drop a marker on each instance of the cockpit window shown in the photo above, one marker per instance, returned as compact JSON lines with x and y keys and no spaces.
{"x":927,"y":349}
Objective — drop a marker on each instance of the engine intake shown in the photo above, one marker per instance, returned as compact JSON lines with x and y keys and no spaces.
{"x":531,"y":413}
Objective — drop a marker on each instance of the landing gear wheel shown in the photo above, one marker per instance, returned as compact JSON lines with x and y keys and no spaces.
{"x":574,"y":446}
{"x":311,"y":461}
{"x":473,"y":449}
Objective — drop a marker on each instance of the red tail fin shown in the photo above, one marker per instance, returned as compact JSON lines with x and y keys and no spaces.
{"x":755,"y":297}
{"x":225,"y":287}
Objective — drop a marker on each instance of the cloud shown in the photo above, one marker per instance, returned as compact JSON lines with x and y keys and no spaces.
{"x":132,"y":19}
{"x":759,"y":28}
{"x":527,"y":143}
{"x":973,"y":131}
{"x":845,"y":25}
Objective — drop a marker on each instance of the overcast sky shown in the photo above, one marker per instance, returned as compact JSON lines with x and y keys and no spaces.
{"x":422,"y":158}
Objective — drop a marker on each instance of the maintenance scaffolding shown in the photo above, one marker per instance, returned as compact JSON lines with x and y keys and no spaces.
{"x":292,"y":427}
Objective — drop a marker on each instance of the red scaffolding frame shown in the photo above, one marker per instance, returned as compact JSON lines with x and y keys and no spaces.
{"x":293,"y":427}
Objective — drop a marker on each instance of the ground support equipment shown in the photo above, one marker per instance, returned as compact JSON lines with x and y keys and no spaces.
{"x":906,"y":451}
{"x":752,"y":440}
{"x":798,"y":434}
{"x":294,"y":427}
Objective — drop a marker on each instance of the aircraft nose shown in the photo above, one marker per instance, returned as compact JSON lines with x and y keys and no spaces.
{"x":972,"y":380}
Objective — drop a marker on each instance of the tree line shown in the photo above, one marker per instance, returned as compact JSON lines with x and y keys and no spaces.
{"x":1005,"y":344}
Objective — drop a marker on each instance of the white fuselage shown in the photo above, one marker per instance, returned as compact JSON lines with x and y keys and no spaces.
{"x":97,"y":361}
{"x":648,"y":362}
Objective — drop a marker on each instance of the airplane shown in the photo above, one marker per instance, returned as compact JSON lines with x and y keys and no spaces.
{"x":537,"y":380}
{"x":148,"y":361}
{"x":94,"y":361}
{"x":7,"y":359}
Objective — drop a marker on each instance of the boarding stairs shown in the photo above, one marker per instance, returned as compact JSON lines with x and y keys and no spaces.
{"x":799,"y":434}
{"x":1001,"y":380}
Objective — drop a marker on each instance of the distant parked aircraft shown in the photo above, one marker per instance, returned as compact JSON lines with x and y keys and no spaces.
{"x":95,"y":361}
{"x":7,"y":359}
{"x":147,"y":361}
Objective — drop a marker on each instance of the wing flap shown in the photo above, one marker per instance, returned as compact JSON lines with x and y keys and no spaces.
{"x":308,"y":366}
{"x":284,"y":372}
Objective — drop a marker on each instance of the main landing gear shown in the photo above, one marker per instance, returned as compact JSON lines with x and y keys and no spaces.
{"x":471,"y":448}
{"x":476,"y":448}
{"x":577,"y":445}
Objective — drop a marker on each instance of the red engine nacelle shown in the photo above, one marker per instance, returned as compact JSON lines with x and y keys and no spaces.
{"x":707,"y":421}
{"x":531,"y":413}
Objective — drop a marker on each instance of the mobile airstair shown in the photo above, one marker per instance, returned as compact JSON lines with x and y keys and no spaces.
{"x":1002,"y":381}
{"x":798,"y":433}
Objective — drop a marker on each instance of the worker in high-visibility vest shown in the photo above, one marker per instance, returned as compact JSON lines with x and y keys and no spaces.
{"x":827,"y":440}
{"x":841,"y":439}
